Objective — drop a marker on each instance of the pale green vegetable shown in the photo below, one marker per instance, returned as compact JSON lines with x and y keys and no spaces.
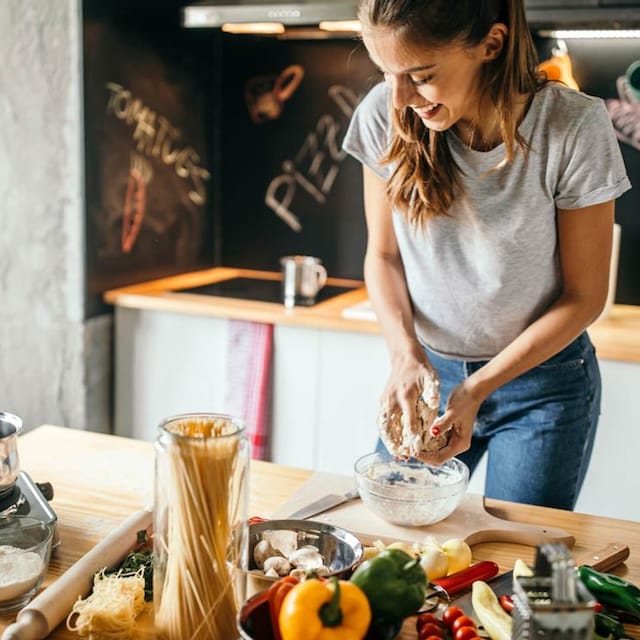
{"x":495,"y":620}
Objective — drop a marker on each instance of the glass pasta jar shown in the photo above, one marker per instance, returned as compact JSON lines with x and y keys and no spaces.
{"x":200,"y":539}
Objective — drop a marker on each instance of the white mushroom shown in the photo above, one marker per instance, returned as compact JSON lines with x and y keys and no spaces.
{"x":306,"y":558}
{"x":262,"y":551}
{"x":284,"y":540}
{"x":279,"y":564}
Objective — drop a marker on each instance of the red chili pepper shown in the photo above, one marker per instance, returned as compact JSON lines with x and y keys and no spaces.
{"x":506,"y":602}
{"x":255,"y":520}
{"x":276,"y":594}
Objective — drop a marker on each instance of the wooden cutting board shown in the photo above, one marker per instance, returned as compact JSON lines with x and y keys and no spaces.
{"x":470,"y":521}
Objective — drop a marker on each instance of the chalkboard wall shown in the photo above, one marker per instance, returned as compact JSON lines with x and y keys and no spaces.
{"x":287,"y":187}
{"x":149,"y":122}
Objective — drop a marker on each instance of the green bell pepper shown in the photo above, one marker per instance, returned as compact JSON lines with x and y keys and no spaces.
{"x":395,"y":585}
{"x":611,"y":590}
{"x":608,"y":626}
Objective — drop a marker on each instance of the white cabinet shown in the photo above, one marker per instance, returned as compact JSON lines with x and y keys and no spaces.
{"x":165,"y":363}
{"x":326,"y":384}
{"x":326,"y":390}
{"x":327,"y":387}
{"x":612,"y":485}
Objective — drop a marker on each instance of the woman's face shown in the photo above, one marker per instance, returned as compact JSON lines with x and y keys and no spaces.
{"x":442,"y":85}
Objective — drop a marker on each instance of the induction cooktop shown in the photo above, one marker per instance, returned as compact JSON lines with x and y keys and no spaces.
{"x":259,"y":289}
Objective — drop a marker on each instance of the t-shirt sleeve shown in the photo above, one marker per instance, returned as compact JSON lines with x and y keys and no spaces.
{"x":594,"y":171}
{"x":368,"y":133}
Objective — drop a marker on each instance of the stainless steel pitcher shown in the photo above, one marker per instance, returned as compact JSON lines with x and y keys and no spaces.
{"x":302,"y":278}
{"x":10,"y":428}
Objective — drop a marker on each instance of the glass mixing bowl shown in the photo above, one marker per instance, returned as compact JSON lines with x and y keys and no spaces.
{"x":25,"y":550}
{"x":410,"y":493}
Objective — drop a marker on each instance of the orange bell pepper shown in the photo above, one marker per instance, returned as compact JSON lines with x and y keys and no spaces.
{"x":325,"y":610}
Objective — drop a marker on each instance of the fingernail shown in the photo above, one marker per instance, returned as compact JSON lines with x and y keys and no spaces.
{"x":435,"y":430}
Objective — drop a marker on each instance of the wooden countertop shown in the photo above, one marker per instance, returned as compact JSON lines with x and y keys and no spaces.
{"x":163,"y":295}
{"x":100,"y":479}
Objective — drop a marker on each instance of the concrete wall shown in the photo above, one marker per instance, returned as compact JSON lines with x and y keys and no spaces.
{"x":53,"y":367}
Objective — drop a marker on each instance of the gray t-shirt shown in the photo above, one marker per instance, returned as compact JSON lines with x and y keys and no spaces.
{"x":477,"y":279}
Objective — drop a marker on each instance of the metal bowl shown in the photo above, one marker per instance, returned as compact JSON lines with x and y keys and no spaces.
{"x":340,"y":549}
{"x":410,"y":493}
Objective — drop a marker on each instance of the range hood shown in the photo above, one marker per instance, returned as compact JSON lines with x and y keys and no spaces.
{"x":215,"y":13}
{"x":541,"y":14}
{"x":576,"y":14}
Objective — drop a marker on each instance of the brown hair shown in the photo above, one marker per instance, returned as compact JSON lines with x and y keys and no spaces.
{"x":425,"y":178}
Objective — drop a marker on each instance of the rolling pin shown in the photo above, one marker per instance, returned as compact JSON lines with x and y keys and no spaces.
{"x":46,"y":611}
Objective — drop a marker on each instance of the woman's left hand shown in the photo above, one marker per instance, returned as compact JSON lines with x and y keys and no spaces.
{"x":459,"y":417}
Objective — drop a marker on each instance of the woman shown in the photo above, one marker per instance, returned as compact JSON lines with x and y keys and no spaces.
{"x":489,"y":197}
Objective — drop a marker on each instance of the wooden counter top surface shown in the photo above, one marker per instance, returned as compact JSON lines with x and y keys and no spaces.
{"x":615,"y":338}
{"x":100,"y":479}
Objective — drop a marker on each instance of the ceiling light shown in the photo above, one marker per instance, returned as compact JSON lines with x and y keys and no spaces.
{"x":566,"y":34}
{"x":341,"y":25}
{"x":253,"y":27}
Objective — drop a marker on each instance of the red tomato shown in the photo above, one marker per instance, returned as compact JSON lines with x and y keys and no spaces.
{"x":450,"y":614}
{"x":430,"y":629}
{"x":465,"y":633}
{"x":462,"y":621}
{"x":423,"y":618}
{"x":431,"y":638}
{"x":506,"y":602}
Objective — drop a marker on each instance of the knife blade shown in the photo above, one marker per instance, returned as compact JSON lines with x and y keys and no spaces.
{"x":323,"y":504}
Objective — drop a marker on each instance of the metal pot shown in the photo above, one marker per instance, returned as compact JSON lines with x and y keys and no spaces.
{"x":10,"y":428}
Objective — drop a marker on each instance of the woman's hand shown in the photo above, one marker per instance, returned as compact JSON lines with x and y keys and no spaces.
{"x":411,"y":375}
{"x":459,"y":417}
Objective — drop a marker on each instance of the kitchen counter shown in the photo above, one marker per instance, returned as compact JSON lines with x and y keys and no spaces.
{"x":100,"y":479}
{"x":616,"y":337}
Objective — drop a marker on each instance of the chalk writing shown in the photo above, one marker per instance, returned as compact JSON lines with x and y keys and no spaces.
{"x":155,"y":137}
{"x":315,"y":166}
{"x":135,"y":200}
{"x":625,"y":115}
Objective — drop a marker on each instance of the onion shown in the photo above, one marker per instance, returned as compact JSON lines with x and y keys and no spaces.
{"x":434,"y":563}
{"x":458,"y":553}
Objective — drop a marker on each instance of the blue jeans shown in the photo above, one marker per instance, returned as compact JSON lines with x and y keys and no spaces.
{"x":538,"y":429}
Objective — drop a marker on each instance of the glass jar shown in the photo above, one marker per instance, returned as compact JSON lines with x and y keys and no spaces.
{"x":200,"y":526}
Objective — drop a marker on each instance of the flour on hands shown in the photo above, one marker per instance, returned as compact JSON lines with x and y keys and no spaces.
{"x":405,"y":440}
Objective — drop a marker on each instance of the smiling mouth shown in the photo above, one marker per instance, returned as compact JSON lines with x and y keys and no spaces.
{"x":429,"y":112}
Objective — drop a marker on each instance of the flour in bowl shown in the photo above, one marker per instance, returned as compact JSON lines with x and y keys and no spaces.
{"x":19,"y":571}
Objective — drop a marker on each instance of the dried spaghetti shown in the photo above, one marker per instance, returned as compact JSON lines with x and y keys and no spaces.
{"x":110,"y":611}
{"x":203,"y":532}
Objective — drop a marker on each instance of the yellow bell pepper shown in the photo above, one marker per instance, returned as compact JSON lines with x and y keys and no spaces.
{"x":324,"y":610}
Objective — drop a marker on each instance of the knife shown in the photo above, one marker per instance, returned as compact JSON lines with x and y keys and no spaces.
{"x":323,"y":504}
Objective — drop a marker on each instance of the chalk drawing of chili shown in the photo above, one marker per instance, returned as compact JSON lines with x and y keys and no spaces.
{"x":135,"y":201}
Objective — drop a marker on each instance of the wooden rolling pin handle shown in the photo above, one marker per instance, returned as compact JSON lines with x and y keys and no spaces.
{"x":46,"y":611}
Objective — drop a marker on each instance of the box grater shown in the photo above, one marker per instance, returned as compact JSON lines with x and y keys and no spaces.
{"x":553,"y":603}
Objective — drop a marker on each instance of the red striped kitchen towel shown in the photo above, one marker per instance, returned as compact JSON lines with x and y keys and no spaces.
{"x":249,"y":370}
